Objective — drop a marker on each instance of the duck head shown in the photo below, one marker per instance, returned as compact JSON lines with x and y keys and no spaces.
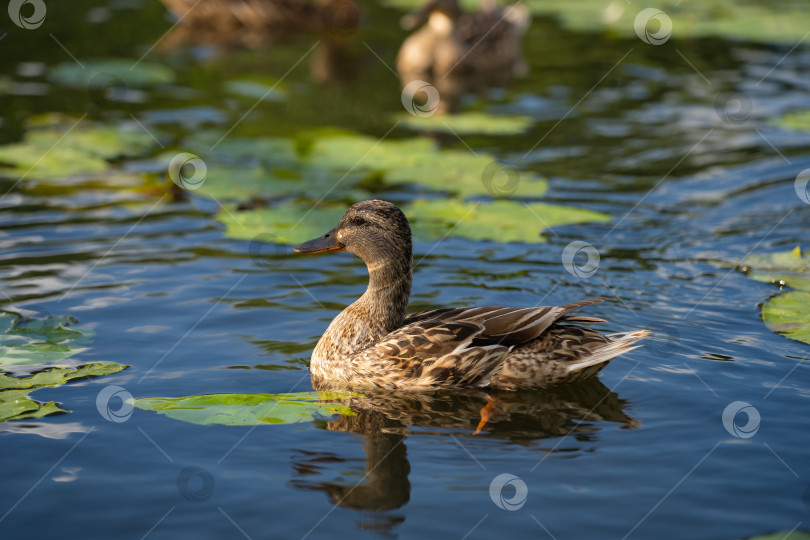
{"x":376,"y":231}
{"x":448,"y":8}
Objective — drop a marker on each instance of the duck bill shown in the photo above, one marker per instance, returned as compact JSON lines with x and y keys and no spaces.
{"x":327,"y":242}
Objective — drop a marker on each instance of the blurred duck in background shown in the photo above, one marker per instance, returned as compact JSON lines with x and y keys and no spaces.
{"x":457,"y":51}
{"x":258,"y":23}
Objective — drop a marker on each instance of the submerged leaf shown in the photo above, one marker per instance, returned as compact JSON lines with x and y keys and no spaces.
{"x":250,"y":409}
{"x":284,"y":224}
{"x":39,"y":341}
{"x":798,"y":121}
{"x":789,"y":314}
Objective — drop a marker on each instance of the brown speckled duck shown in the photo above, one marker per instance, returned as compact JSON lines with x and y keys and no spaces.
{"x":374,"y":344}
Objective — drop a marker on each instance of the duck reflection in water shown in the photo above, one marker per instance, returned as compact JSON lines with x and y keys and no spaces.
{"x":384,"y":419}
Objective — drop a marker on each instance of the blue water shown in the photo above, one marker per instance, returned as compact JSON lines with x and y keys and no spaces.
{"x":641,"y":454}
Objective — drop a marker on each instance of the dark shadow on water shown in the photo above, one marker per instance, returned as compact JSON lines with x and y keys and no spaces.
{"x":380,"y":484}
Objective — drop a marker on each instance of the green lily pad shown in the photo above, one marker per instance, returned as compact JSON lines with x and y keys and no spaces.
{"x":798,"y":121}
{"x":789,"y":314}
{"x":783,"y":535}
{"x":39,"y":341}
{"x":143,"y":74}
{"x":285,"y":224}
{"x":66,"y":149}
{"x":256,"y":90}
{"x":468,"y":123}
{"x":790,"y":268}
{"x":250,"y":409}
{"x":765,"y":22}
{"x":15,"y":402}
{"x":500,"y":221}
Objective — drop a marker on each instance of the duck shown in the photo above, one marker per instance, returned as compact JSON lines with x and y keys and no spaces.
{"x":375,"y":344}
{"x":481,"y":43}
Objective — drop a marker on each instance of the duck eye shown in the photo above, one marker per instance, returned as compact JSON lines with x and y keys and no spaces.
{"x":358,"y":220}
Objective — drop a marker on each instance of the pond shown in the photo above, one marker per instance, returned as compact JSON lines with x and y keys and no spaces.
{"x":665,"y":174}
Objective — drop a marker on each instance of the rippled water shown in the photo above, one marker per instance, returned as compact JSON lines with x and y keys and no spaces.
{"x":621,"y":127}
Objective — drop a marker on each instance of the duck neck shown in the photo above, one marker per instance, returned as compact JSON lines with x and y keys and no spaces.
{"x":384,"y":304}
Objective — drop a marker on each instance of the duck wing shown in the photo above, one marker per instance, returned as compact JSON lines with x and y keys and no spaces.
{"x":506,"y":325}
{"x":456,"y":347}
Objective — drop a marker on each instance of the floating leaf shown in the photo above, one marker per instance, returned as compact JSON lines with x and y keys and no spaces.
{"x":256,"y":90}
{"x":39,"y":341}
{"x":500,"y":221}
{"x":767,"y":22}
{"x":286,"y":224}
{"x":789,"y":268}
{"x":789,"y":314}
{"x":69,"y":149}
{"x":250,"y":409}
{"x":468,"y":123}
{"x":124,"y":71}
{"x":798,"y":121}
{"x":783,"y":535}
{"x":15,"y":402}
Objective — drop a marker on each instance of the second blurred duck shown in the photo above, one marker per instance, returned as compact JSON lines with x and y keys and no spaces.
{"x":457,"y":51}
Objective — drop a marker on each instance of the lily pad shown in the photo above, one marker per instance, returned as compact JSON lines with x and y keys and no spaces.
{"x":142,"y":74}
{"x":500,"y":221}
{"x":765,"y":22}
{"x":39,"y":341}
{"x":468,"y":123}
{"x":256,"y":90}
{"x":250,"y":409}
{"x":286,"y":224}
{"x":66,"y":149}
{"x":790,"y":268}
{"x":789,"y":314}
{"x":797,"y":121}
{"x":15,"y":402}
